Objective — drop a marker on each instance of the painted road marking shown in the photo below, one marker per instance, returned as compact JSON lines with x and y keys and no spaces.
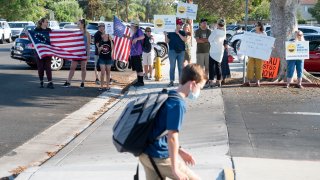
{"x":299,"y":113}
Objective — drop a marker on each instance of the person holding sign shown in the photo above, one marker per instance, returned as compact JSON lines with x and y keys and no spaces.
{"x":216,"y":40}
{"x":176,"y":41}
{"x":254,"y":67}
{"x":299,"y":64}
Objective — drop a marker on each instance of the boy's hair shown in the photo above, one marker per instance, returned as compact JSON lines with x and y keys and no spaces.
{"x":193,"y":72}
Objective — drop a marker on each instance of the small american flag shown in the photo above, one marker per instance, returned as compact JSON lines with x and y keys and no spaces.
{"x":60,"y":43}
{"x":122,"y":44}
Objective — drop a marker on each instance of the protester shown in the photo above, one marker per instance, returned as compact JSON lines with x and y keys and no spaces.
{"x":165,"y":151}
{"x":86,"y":36}
{"x":216,"y":40}
{"x":148,"y":54}
{"x":187,"y":54}
{"x":176,"y":41}
{"x":225,"y":69}
{"x":136,"y":51}
{"x":97,"y":40}
{"x":254,"y":66}
{"x":298,"y":64}
{"x":203,"y":46}
{"x":105,"y":61}
{"x":44,"y":64}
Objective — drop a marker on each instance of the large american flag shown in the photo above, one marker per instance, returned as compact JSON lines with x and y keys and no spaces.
{"x":122,"y":44}
{"x":60,"y":43}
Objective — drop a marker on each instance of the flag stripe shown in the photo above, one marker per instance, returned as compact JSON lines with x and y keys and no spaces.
{"x":121,"y":42}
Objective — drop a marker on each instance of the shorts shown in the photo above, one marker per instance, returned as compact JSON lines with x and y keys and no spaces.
{"x":136,"y":63}
{"x":203,"y":60}
{"x":147,"y":58}
{"x":105,"y":61}
{"x":187,"y":55}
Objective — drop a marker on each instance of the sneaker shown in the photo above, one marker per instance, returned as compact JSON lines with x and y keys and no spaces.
{"x":145,"y":77}
{"x":171,"y":84}
{"x":82,"y":85}
{"x":41,"y":84}
{"x":97,"y":82}
{"x":50,"y":85}
{"x":66,"y":84}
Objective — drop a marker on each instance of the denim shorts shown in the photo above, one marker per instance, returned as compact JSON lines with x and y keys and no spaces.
{"x":105,"y":61}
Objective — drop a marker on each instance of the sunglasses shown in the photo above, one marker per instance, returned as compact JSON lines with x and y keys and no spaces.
{"x":148,"y":31}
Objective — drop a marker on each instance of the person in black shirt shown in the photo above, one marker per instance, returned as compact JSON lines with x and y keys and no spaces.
{"x":44,"y":64}
{"x":105,"y":61}
{"x":97,"y":40}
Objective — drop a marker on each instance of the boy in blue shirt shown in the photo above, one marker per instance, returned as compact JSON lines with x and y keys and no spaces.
{"x":166,"y":149}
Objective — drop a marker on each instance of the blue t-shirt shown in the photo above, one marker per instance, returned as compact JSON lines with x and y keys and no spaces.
{"x":176,"y":42}
{"x":170,"y":117}
{"x":136,"y":49}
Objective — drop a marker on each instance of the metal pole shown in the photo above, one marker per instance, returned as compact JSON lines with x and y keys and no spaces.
{"x":244,"y":57}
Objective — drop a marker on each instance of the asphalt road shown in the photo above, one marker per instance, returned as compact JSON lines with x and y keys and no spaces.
{"x":25,"y":109}
{"x":273,"y":122}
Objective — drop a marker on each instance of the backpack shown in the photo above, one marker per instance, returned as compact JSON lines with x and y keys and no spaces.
{"x":131,"y":130}
{"x":146,"y":45}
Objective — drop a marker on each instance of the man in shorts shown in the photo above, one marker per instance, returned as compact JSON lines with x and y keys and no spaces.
{"x":203,"y":46}
{"x":148,"y":54}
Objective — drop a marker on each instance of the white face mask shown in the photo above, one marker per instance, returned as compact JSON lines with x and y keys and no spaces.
{"x":194,"y":95}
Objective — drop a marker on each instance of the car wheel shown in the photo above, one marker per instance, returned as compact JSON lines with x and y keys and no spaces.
{"x":56,"y":63}
{"x":10,"y":39}
{"x":164,"y":50}
{"x":32,"y":65}
{"x":121,"y":66}
{"x":2,"y":40}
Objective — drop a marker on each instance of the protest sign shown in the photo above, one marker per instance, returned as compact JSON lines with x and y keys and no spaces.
{"x":271,"y":68}
{"x":109,"y":28}
{"x":164,"y":23}
{"x":256,"y":45}
{"x":187,"y":11}
{"x":297,"y":50}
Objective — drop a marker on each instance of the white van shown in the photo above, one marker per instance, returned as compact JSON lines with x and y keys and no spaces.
{"x":5,"y":32}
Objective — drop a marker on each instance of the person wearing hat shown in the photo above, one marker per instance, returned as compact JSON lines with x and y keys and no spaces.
{"x":216,"y":40}
{"x":176,"y":41}
{"x":203,"y":45}
{"x":136,"y":51}
{"x":97,"y":40}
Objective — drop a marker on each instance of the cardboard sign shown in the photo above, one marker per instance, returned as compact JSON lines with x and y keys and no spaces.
{"x":256,"y":45}
{"x":271,"y":68}
{"x":187,"y":11}
{"x":297,"y":50}
{"x":164,"y":23}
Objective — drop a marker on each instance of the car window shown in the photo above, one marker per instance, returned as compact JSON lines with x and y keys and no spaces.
{"x":92,"y":26}
{"x":17,"y":25}
{"x":314,"y":45}
{"x":307,"y":30}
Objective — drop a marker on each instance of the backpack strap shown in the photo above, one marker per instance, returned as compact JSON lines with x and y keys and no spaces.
{"x":155,"y":167}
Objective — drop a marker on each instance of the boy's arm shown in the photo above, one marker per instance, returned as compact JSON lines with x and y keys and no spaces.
{"x":173,"y":143}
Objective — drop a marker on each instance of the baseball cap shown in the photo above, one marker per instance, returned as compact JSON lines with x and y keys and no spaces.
{"x":179,"y":22}
{"x":221,"y":22}
{"x":101,"y":24}
{"x":134,"y":22}
{"x":203,"y":20}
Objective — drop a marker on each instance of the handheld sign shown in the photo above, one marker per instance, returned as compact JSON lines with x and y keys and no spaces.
{"x":297,"y":50}
{"x":187,"y":11}
{"x":164,"y":23}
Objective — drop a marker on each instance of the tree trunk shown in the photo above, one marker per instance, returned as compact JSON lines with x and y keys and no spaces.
{"x":283,"y":23}
{"x":127,"y":10}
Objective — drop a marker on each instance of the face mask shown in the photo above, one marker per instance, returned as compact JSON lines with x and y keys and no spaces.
{"x":194,"y":95}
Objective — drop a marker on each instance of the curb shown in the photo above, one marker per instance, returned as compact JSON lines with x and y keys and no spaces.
{"x":272,"y":84}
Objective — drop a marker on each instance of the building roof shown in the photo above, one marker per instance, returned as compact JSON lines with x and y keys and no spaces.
{"x":308,"y":2}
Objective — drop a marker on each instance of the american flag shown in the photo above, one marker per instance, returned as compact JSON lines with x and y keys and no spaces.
{"x":60,"y":43}
{"x":122,"y":44}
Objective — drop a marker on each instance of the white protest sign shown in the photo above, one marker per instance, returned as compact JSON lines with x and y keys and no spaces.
{"x":164,"y":23}
{"x":256,"y":45}
{"x":187,"y":11}
{"x":109,"y":28}
{"x":297,"y":50}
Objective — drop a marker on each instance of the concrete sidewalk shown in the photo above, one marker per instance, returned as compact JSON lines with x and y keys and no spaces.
{"x":92,"y":155}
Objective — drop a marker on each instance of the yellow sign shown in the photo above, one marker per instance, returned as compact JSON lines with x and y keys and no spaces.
{"x":182,"y":9}
{"x":291,"y":48}
{"x":159,"y":23}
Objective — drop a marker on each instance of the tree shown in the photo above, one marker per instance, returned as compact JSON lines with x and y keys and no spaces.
{"x":67,"y":10}
{"x":262,"y":11}
{"x":28,"y":10}
{"x":315,"y":11}
{"x":283,"y":23}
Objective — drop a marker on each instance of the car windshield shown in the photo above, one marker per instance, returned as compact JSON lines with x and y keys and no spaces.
{"x":62,"y":24}
{"x":17,"y":25}
{"x":92,"y":26}
{"x":230,"y":27}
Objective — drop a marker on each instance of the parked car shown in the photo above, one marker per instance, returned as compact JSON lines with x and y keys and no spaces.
{"x":71,"y":27}
{"x":312,"y":65}
{"x":24,"y":50}
{"x":24,"y":32}
{"x":53,"y":25}
{"x":17,"y":27}
{"x":62,"y":24}
{"x":5,"y":32}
